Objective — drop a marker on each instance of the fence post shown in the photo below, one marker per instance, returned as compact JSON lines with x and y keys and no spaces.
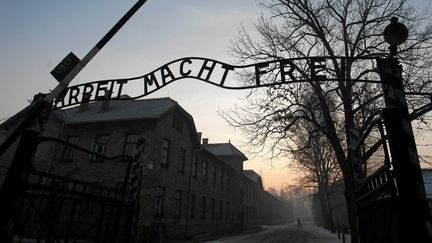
{"x":414,"y":216}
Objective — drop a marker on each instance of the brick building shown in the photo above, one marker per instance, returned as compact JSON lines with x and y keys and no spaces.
{"x":187,"y":188}
{"x":251,"y":198}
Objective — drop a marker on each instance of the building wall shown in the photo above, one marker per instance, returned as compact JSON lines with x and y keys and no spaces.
{"x":274,"y":211}
{"x":238,"y":202}
{"x":44,"y":152}
{"x":170,"y":177}
{"x":236,"y":163}
{"x":217,"y":215}
{"x":155,"y":175}
{"x":251,"y":200}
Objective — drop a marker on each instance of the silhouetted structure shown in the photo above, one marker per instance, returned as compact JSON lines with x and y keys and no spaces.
{"x":186,"y":188}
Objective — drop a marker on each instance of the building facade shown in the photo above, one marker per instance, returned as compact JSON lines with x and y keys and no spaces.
{"x":186,"y":187}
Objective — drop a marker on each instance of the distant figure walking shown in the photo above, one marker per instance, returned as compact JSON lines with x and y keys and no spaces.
{"x":298,"y":223}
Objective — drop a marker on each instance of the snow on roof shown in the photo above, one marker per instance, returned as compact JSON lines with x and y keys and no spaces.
{"x":224,"y":149}
{"x":253,"y":176}
{"x":120,"y":110}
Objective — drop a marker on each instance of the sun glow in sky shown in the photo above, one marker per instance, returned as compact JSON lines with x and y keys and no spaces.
{"x":36,"y":35}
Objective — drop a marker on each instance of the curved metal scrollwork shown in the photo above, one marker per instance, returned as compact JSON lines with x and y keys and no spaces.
{"x":276,"y":72}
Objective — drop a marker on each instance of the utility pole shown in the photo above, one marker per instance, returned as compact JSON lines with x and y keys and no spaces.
{"x":413,"y":216}
{"x":65,"y":72}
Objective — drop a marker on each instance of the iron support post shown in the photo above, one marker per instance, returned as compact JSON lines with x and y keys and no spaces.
{"x":414,"y":218}
{"x":13,"y":185}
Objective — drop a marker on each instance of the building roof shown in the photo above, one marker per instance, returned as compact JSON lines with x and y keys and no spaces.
{"x":120,"y":110}
{"x":253,"y":176}
{"x":224,"y":149}
{"x":128,"y":110}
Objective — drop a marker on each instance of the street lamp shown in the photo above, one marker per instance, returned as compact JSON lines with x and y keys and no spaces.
{"x":395,"y":34}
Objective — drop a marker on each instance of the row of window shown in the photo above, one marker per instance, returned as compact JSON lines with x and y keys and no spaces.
{"x":177,"y":124}
{"x":130,"y":148}
{"x":204,"y":169}
{"x":165,"y":154}
{"x":215,"y":175}
{"x":250,"y":213}
{"x":249,"y":191}
{"x":217,"y":210}
{"x":100,"y":146}
{"x":131,"y":140}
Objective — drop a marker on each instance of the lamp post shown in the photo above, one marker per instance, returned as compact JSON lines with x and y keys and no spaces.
{"x":413,"y":216}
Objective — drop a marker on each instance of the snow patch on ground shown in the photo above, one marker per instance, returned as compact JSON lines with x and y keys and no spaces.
{"x":324,"y":236}
{"x":307,"y":233}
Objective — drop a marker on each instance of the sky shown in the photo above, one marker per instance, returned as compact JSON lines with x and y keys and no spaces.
{"x":36,"y":35}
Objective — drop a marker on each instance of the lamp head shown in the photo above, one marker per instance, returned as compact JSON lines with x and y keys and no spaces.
{"x":395,"y":34}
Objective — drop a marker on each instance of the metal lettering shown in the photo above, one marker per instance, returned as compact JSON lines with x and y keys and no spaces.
{"x":315,"y":67}
{"x":101,"y":87}
{"x":182,"y":72}
{"x":166,"y":73}
{"x":258,"y":71}
{"x":287,"y":70}
{"x":150,"y":81}
{"x":208,"y":68}
{"x":121,"y":82}
{"x":88,"y":92}
{"x":73,"y":96}
{"x":227,"y":68}
{"x":284,"y":73}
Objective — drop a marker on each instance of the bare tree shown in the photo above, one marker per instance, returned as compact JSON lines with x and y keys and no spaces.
{"x":331,"y":28}
{"x":312,"y":157}
{"x":318,"y":168}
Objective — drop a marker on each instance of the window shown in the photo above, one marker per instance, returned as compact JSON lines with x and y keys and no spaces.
{"x":213,"y":208}
{"x":220,"y":209}
{"x":177,"y":124}
{"x":178,"y":201}
{"x":165,"y":153}
{"x":221,"y":175}
{"x":181,"y":161}
{"x":86,"y":207}
{"x":119,"y":185}
{"x":228,"y":210}
{"x":203,"y":207}
{"x":247,"y":213}
{"x":214,"y":176}
{"x":99,"y":146}
{"x":159,"y":204}
{"x":192,"y":206}
{"x":204,"y":171}
{"x":130,"y":144}
{"x":68,"y":151}
{"x":194,"y":168}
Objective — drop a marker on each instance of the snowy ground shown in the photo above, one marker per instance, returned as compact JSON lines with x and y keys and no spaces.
{"x":309,"y":233}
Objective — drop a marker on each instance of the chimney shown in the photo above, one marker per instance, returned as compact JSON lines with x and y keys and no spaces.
{"x":205,"y":141}
{"x":85,"y":102}
{"x":106,"y":100}
{"x":199,"y":135}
